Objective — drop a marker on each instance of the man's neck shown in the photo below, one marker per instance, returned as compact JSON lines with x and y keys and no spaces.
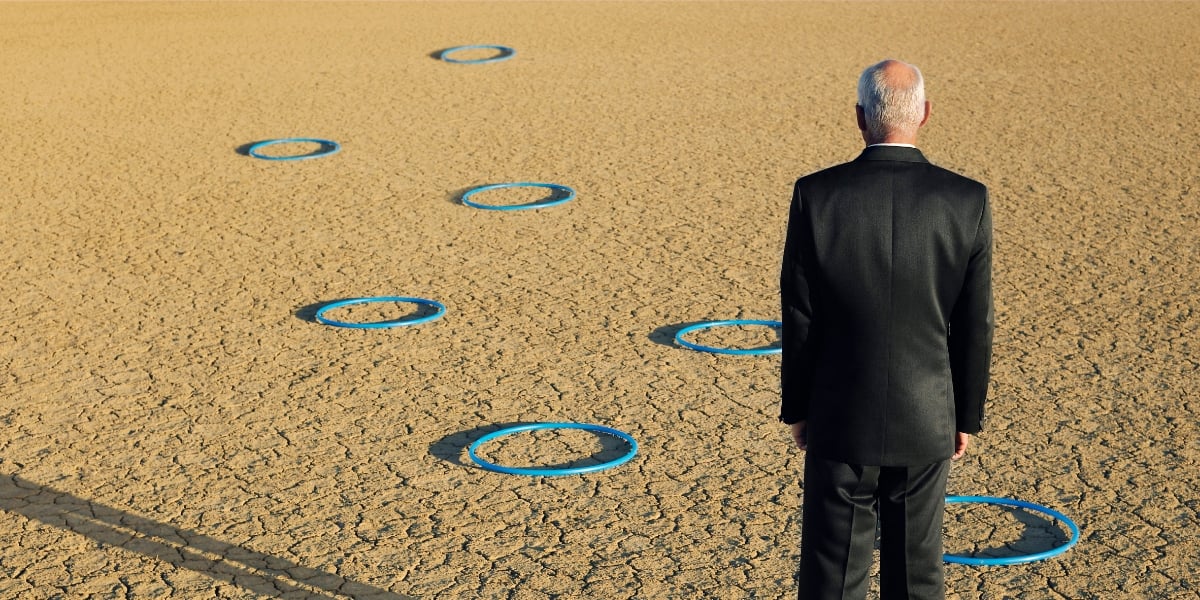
{"x":891,"y":138}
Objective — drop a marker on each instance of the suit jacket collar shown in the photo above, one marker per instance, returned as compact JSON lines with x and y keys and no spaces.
{"x":899,"y":153}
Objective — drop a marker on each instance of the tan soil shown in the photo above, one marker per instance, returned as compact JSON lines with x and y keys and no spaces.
{"x":174,"y":424}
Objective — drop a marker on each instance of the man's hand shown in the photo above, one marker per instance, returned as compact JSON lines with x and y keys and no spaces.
{"x":960,"y":444}
{"x":800,"y":434}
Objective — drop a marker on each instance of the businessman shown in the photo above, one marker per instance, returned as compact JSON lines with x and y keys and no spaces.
{"x":887,"y":334}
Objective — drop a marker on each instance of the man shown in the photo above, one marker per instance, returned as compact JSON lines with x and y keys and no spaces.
{"x":887,"y":334}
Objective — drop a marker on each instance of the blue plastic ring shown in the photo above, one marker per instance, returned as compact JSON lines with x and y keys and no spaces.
{"x":505,"y":54}
{"x":466,"y":198}
{"x":553,"y":472}
{"x":327,"y":147}
{"x":441,"y":310}
{"x":743,"y":351}
{"x":1019,"y":559}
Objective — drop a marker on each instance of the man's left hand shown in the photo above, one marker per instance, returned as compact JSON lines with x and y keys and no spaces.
{"x":800,"y":434}
{"x":960,"y":444}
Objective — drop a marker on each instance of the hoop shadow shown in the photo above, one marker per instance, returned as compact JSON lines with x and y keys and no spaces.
{"x":555,"y":195}
{"x":244,"y":150}
{"x":452,"y":447}
{"x":665,"y":335}
{"x":259,"y":573}
{"x":1046,"y":534}
{"x":501,"y":54}
{"x":308,"y":312}
{"x":455,"y":197}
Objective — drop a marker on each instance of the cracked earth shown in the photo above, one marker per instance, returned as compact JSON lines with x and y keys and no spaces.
{"x":175,"y":424}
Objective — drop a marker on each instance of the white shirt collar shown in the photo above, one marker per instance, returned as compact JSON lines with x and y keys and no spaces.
{"x":891,"y":144}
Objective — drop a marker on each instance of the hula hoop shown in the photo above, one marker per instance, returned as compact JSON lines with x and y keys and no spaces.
{"x":735,"y":322}
{"x":1022,"y":558}
{"x":505,"y":54}
{"x":327,"y":147}
{"x":441,"y":310}
{"x":553,"y":472}
{"x":466,"y":198}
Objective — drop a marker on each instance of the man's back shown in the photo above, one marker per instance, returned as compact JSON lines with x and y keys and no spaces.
{"x":890,"y":269}
{"x":887,"y":332}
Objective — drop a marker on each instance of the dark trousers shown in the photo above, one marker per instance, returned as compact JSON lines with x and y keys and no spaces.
{"x":841,"y":504}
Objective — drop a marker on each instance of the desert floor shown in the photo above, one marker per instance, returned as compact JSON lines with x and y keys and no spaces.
{"x":174,"y":423}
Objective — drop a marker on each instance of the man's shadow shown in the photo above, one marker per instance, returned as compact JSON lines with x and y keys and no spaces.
{"x":253,"y":571}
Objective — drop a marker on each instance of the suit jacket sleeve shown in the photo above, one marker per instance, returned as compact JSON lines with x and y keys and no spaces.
{"x":971,"y":325}
{"x":796,"y":298}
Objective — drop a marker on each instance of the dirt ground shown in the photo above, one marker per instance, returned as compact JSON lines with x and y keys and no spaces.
{"x":175,"y":424}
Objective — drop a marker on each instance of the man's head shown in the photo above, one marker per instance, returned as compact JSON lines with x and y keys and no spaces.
{"x":891,"y":103}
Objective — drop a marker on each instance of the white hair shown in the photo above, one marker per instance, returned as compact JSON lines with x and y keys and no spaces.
{"x":888,"y":105}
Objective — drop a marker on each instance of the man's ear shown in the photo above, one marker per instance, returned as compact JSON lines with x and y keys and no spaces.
{"x":928,"y":107}
{"x":862,"y":116}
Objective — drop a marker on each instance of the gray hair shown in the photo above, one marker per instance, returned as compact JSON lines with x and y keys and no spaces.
{"x":891,"y":103}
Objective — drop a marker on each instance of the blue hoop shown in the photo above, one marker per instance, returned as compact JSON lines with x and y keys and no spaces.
{"x":553,"y":472}
{"x":505,"y":54}
{"x":441,"y":310}
{"x":1019,"y":559}
{"x":327,"y":147}
{"x":735,"y":322}
{"x":466,"y":198}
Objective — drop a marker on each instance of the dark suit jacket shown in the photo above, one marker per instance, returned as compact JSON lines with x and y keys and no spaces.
{"x":887,"y":309}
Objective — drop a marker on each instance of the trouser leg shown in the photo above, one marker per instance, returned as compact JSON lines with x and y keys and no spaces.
{"x":838,"y":532}
{"x":912,"y":501}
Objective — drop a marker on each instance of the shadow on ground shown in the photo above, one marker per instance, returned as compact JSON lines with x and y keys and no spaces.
{"x":308,"y":312}
{"x":258,"y":573}
{"x":452,"y":448}
{"x":665,"y":336}
{"x":1038,"y":534}
{"x":500,"y":54}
